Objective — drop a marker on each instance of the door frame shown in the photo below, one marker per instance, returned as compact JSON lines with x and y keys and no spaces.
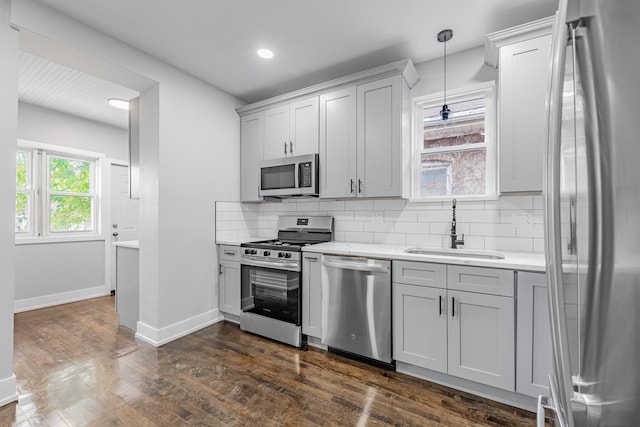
{"x":109,"y":249}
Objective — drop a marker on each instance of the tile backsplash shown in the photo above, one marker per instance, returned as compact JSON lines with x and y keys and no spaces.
{"x":511,"y":223}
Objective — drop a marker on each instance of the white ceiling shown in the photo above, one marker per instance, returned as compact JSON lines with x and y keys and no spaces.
{"x":313,"y":41}
{"x":54,"y":86}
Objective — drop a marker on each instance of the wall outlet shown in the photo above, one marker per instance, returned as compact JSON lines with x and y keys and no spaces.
{"x":524,"y":217}
{"x":377,"y":217}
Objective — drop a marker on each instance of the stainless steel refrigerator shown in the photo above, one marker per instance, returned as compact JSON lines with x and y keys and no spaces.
{"x":592,"y":214}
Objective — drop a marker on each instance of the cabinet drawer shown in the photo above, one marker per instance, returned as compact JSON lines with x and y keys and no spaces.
{"x":419,"y":273}
{"x":491,"y":281}
{"x":229,"y":253}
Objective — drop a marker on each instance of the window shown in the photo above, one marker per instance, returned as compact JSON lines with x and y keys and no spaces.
{"x":456,"y":157}
{"x":56,"y":192}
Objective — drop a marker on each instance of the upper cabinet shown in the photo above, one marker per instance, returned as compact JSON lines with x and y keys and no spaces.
{"x":359,"y":124}
{"x":522,"y":57}
{"x":291,"y":129}
{"x":251,"y":143}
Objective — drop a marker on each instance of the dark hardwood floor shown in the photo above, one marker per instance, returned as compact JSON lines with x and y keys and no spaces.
{"x":76,"y":367}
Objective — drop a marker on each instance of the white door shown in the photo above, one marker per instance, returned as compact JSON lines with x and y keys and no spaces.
{"x":124,"y":212}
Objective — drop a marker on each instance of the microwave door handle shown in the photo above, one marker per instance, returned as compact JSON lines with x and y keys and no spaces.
{"x":298,"y":176}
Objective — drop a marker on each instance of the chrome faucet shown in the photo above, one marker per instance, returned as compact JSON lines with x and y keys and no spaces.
{"x":454,"y":237}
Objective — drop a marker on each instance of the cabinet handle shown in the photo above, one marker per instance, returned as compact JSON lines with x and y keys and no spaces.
{"x":352,"y":190}
{"x":220,"y":269}
{"x":310,"y":258}
{"x":290,"y":147}
{"x":231,"y":253}
{"x":285,"y":148}
{"x":453,"y":306}
{"x":359,"y":186}
{"x":440,"y":304}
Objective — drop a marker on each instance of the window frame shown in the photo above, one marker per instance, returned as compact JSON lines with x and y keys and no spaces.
{"x":40,"y":227}
{"x":486,"y":89}
{"x":30,"y":191}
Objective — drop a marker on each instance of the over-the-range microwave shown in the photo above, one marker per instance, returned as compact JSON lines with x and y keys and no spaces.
{"x":295,"y":176}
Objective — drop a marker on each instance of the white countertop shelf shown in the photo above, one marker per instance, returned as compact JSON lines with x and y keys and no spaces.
{"x":524,"y":261}
{"x":133,"y":244}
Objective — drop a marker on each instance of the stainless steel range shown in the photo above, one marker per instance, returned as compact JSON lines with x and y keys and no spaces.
{"x":272,"y":277}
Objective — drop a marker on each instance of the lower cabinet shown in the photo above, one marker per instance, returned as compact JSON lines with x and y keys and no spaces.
{"x":229,"y":279}
{"x":466,"y":334}
{"x":311,"y":295}
{"x":535,"y":351}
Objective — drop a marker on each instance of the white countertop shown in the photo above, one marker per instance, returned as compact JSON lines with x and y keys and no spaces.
{"x":133,"y":244}
{"x":512,"y":260}
{"x":238,"y":241}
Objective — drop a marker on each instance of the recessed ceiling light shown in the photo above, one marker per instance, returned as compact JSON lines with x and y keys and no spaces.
{"x":123,"y":104}
{"x":265,"y":53}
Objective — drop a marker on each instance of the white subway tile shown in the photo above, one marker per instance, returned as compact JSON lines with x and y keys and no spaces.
{"x":445,"y":228}
{"x":486,"y":215}
{"x":332,"y":205}
{"x":389,"y":238}
{"x":538,"y":245}
{"x":509,"y":244}
{"x":268,"y":207}
{"x":358,"y":237}
{"x":308,"y":206}
{"x":389,"y":205}
{"x":358,"y":205}
{"x":530,"y":230}
{"x":470,"y":242}
{"x":348,"y":226}
{"x":365,"y":216}
{"x":380,"y":227}
{"x":507,"y":216}
{"x":493,"y":230}
{"x":435,"y":216}
{"x":424,"y":206}
{"x":538,"y":202}
{"x":339,"y":236}
{"x":412,"y":227}
{"x":404,"y":216}
{"x":341,"y":215}
{"x":515,"y":202}
{"x":428,"y":240}
{"x":466,"y":205}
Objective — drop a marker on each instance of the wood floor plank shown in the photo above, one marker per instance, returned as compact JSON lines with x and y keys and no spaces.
{"x":76,"y":367}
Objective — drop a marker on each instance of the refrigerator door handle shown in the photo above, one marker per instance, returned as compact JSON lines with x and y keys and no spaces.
{"x":552,"y":179}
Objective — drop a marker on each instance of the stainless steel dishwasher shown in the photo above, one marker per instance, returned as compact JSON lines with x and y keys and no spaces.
{"x":356,"y":306}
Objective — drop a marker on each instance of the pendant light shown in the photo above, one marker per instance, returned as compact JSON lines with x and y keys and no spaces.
{"x":443,"y":37}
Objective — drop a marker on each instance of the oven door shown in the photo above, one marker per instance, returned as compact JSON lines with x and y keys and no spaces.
{"x":271,"y":292}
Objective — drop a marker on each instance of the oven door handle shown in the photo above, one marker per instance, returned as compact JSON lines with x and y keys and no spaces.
{"x":289,"y":266}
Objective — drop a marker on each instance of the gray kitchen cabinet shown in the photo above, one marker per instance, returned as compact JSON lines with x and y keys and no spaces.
{"x":522,"y":55}
{"x":128,"y":286}
{"x":291,"y":129}
{"x":534,"y":350}
{"x":338,"y":143}
{"x":481,"y":345}
{"x":363,"y":140}
{"x":451,"y":319}
{"x":312,"y":295}
{"x":251,"y":145}
{"x":420,"y":326}
{"x":229,"y":279}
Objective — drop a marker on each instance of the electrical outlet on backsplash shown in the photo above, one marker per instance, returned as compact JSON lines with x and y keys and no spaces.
{"x":510,"y":223}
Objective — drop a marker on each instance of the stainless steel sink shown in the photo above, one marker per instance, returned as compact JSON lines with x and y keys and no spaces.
{"x":455,"y":253}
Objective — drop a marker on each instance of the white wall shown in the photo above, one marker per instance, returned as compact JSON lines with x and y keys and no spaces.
{"x":195,"y":159}
{"x":8,"y":121}
{"x":53,"y":127}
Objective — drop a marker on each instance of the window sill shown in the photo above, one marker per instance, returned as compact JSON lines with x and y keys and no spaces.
{"x":57,"y":239}
{"x":450,"y":198}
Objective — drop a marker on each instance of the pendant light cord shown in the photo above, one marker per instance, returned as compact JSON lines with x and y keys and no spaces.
{"x":445,"y":72}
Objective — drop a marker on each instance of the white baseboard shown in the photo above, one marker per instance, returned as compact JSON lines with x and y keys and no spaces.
{"x":8,"y":390}
{"x":158,"y":337}
{"x":57,"y":299}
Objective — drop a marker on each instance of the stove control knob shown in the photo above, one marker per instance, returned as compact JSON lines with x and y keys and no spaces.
{"x":254,"y":251}
{"x":247,"y":251}
{"x":266,"y":253}
{"x":280,"y":254}
{"x":287,"y":255}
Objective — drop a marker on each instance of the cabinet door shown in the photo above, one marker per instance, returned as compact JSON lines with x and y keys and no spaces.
{"x":420,"y":326}
{"x":482,"y":338}
{"x":251,"y":141}
{"x":534,"y":363}
{"x":229,"y":287}
{"x":523,"y":74}
{"x":276,"y":132}
{"x":338,"y":144}
{"x":312,"y":295}
{"x":303,"y":134}
{"x":379,"y":138}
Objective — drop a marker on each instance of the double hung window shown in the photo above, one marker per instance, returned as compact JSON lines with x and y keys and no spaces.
{"x":56,"y":192}
{"x":455,"y":157}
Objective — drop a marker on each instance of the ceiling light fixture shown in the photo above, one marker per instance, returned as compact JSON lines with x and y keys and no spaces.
{"x":443,"y":37}
{"x":265,"y":53}
{"x":122,"y":104}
